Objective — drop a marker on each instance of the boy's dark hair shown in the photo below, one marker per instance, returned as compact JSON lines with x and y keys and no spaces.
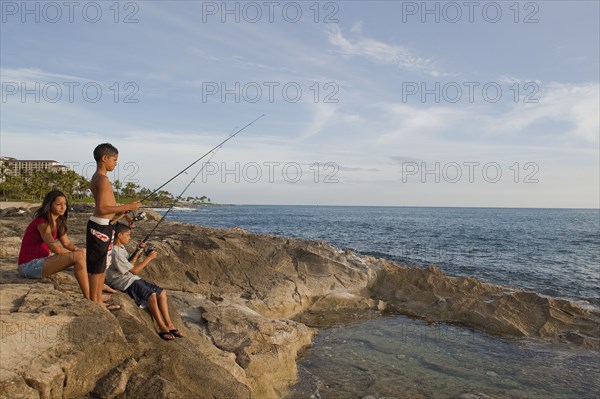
{"x":121,"y":228}
{"x":104,"y":149}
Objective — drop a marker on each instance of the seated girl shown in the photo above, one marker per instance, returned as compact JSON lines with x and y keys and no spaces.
{"x":40,"y":239}
{"x":46,"y":234}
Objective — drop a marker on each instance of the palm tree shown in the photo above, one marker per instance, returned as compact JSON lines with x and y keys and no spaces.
{"x":82,"y":187}
{"x":117,"y":187}
{"x":129,"y":189}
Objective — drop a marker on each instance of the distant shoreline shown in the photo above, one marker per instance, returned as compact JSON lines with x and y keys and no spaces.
{"x":18,"y":204}
{"x":164,"y":206}
{"x":29,"y":205}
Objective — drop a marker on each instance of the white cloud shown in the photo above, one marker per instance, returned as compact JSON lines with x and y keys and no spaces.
{"x":322,"y":115}
{"x":357,"y":27}
{"x":575,"y":105}
{"x":509,"y":80}
{"x":34,"y":75}
{"x":382,"y":53}
{"x":412,"y":124}
{"x":566,"y":114}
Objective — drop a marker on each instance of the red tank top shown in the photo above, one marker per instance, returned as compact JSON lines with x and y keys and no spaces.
{"x":32,"y":246}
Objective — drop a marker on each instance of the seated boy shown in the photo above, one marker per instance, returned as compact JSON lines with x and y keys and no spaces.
{"x":122,"y":275}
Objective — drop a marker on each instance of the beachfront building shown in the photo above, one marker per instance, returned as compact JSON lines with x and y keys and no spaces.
{"x":26,"y":167}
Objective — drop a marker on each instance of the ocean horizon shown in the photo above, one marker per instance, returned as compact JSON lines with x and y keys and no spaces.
{"x":395,"y":206}
{"x":553,"y":251}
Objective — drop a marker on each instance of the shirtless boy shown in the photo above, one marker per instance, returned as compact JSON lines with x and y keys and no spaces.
{"x":100,"y":232}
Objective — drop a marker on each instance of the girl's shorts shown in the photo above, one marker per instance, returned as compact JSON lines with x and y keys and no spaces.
{"x":32,"y":269}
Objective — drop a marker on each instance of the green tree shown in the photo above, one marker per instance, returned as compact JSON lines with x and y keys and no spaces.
{"x":35,"y":185}
{"x":82,"y":188}
{"x":129,"y":190}
{"x":144,"y":192}
{"x":7,"y":180}
{"x":164,"y":197}
{"x":117,"y":187}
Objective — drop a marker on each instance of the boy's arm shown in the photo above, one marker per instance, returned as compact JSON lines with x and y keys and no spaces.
{"x":138,"y":268}
{"x":105,"y":200}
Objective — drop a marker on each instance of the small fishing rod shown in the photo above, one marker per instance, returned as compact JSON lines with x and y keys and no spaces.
{"x":199,"y":159}
{"x":151,"y":247}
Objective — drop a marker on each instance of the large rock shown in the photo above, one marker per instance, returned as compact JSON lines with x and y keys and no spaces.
{"x":10,"y":247}
{"x":275,"y":276}
{"x":265,"y":348}
{"x":82,"y":207}
{"x":14,"y":212}
{"x":58,"y":344}
{"x":429,"y":294}
{"x":233,"y":294}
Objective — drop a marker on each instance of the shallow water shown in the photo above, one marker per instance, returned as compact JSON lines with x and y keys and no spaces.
{"x":398,"y":357}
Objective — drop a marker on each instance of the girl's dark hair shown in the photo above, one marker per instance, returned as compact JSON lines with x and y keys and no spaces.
{"x":44,"y":212}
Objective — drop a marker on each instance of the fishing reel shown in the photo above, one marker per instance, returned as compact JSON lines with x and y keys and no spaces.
{"x":148,"y":249}
{"x":137,"y":217}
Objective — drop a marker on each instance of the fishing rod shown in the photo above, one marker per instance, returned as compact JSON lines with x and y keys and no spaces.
{"x":199,"y":159}
{"x":150,"y":247}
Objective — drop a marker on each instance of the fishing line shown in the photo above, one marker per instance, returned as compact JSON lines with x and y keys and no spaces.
{"x":199,"y":159}
{"x":212,"y":152}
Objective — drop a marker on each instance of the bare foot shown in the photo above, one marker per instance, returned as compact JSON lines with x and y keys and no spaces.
{"x":106,"y":288}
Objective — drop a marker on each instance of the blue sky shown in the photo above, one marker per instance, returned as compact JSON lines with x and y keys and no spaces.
{"x":494,"y":105}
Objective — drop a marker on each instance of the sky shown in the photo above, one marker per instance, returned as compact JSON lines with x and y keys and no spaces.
{"x":375,"y":103}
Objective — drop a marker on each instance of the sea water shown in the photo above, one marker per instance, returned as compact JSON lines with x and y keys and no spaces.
{"x":555,"y":252}
{"x":396,"y":357}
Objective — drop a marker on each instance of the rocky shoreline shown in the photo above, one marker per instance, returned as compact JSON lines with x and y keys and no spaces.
{"x":242,"y":301}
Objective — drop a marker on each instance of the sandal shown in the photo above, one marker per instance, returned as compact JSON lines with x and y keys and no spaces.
{"x":175,"y":332}
{"x":166,"y":335}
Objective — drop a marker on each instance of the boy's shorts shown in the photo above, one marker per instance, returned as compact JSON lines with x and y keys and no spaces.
{"x":99,"y":237}
{"x":140,"y":290}
{"x":32,"y":269}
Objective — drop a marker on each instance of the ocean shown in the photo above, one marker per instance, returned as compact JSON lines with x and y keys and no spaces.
{"x":555,"y":252}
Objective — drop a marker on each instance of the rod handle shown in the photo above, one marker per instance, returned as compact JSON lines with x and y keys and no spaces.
{"x":135,"y":253}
